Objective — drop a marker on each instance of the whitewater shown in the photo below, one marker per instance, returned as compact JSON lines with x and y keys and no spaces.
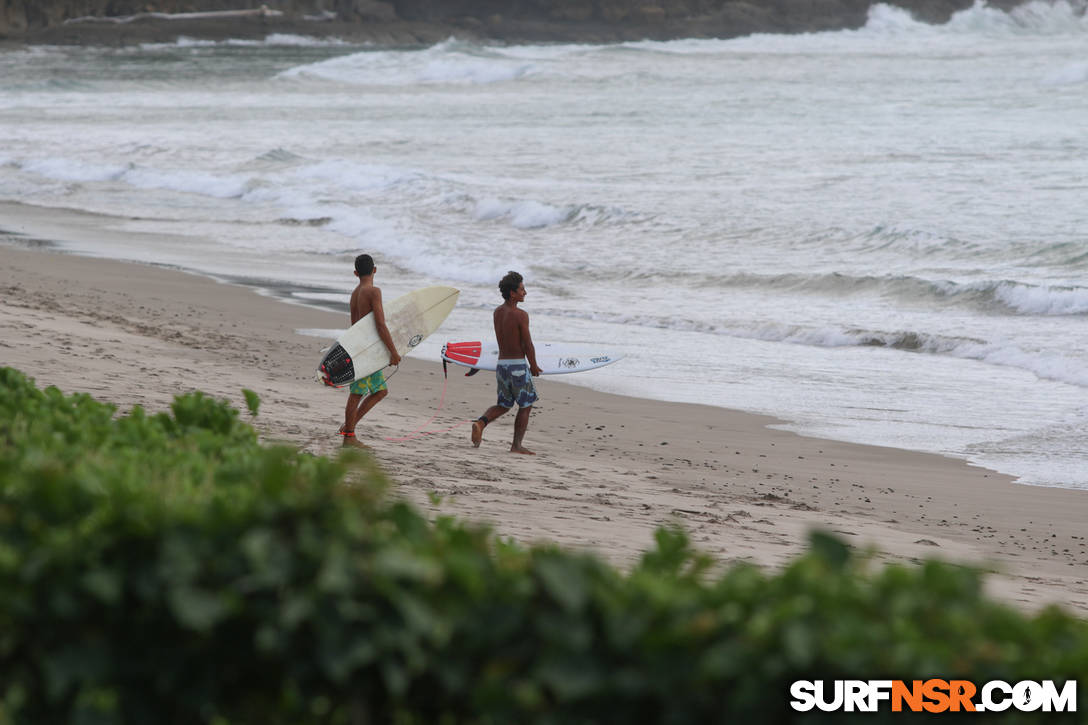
{"x":876,"y":235}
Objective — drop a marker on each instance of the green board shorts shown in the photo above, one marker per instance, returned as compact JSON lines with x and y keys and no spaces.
{"x":368,"y":385}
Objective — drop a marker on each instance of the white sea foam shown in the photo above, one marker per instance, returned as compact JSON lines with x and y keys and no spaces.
{"x":270,"y":194}
{"x":460,"y":70}
{"x":1060,"y":368}
{"x":534,"y":214}
{"x":61,"y":169}
{"x":452,"y":260}
{"x":522,"y":214}
{"x":448,"y":62}
{"x":455,"y":267}
{"x":191,"y":182}
{"x":1067,"y":75}
{"x":1047,"y":366}
{"x":271,"y":40}
{"x":1044,"y":299}
{"x":306,"y":41}
{"x":1051,"y":18}
{"x":356,"y":176}
{"x":184,"y":41}
{"x":364,"y":228}
{"x":547,"y":53}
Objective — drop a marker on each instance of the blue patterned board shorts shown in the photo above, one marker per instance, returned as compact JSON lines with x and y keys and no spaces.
{"x":515,"y":384}
{"x":368,"y":385}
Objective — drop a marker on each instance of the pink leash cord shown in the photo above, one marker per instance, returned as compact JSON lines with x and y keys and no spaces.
{"x":419,"y":432}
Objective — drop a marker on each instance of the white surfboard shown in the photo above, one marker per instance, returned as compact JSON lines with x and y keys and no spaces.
{"x":360,"y":352}
{"x":554,"y":358}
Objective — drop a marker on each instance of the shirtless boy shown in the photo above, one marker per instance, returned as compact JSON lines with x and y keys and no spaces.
{"x":367,"y":392}
{"x":517,"y":364}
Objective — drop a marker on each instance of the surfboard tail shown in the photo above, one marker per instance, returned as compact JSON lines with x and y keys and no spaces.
{"x":465,"y":353}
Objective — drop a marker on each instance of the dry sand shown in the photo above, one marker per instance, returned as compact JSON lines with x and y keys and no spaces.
{"x":609,"y":469}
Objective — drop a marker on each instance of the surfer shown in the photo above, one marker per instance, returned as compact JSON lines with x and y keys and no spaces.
{"x":367,"y":392}
{"x":516,"y":367}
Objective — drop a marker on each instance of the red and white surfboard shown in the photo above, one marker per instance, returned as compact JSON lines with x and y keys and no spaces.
{"x":554,"y":358}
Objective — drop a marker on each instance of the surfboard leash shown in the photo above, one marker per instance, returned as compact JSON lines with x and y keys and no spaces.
{"x":420,"y":432}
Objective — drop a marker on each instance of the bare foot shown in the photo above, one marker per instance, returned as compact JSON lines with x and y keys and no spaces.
{"x":350,"y":441}
{"x":523,"y":451}
{"x":477,"y":433}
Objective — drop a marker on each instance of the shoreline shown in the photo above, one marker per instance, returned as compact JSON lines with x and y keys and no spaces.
{"x":81,"y":231}
{"x":85,"y":233}
{"x":610,"y":468}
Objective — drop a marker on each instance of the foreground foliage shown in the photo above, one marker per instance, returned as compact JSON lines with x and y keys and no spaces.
{"x":169,"y":569}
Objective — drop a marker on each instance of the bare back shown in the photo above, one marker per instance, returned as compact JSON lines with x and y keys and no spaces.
{"x":367,"y":298}
{"x":363,"y":301}
{"x":512,"y":332}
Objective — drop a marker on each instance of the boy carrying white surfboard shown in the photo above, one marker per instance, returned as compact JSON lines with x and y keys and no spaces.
{"x":367,"y":392}
{"x":516,"y":366}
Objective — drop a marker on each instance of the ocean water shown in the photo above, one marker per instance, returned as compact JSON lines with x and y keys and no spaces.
{"x":877,"y":235}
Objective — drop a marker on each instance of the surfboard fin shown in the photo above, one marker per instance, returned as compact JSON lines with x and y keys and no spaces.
{"x":472,"y":372}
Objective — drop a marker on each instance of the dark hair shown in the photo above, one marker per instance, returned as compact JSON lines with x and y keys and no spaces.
{"x":364,"y":265}
{"x":509,"y":283}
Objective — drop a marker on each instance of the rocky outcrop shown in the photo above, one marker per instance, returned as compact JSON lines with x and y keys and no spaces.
{"x":764,"y":14}
{"x":406,"y":21}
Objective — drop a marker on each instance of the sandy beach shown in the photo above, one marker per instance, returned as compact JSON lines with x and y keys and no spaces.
{"x":609,"y":469}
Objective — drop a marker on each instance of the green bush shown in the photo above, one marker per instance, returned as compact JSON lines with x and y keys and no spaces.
{"x":170,"y":569}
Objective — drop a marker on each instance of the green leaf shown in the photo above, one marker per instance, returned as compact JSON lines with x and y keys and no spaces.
{"x":829,"y":548}
{"x":197,"y":609}
{"x":253,"y":402}
{"x":563,"y":580}
{"x":105,"y":584}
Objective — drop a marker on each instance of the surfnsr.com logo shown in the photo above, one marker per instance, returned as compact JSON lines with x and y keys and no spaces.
{"x":933,"y":696}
